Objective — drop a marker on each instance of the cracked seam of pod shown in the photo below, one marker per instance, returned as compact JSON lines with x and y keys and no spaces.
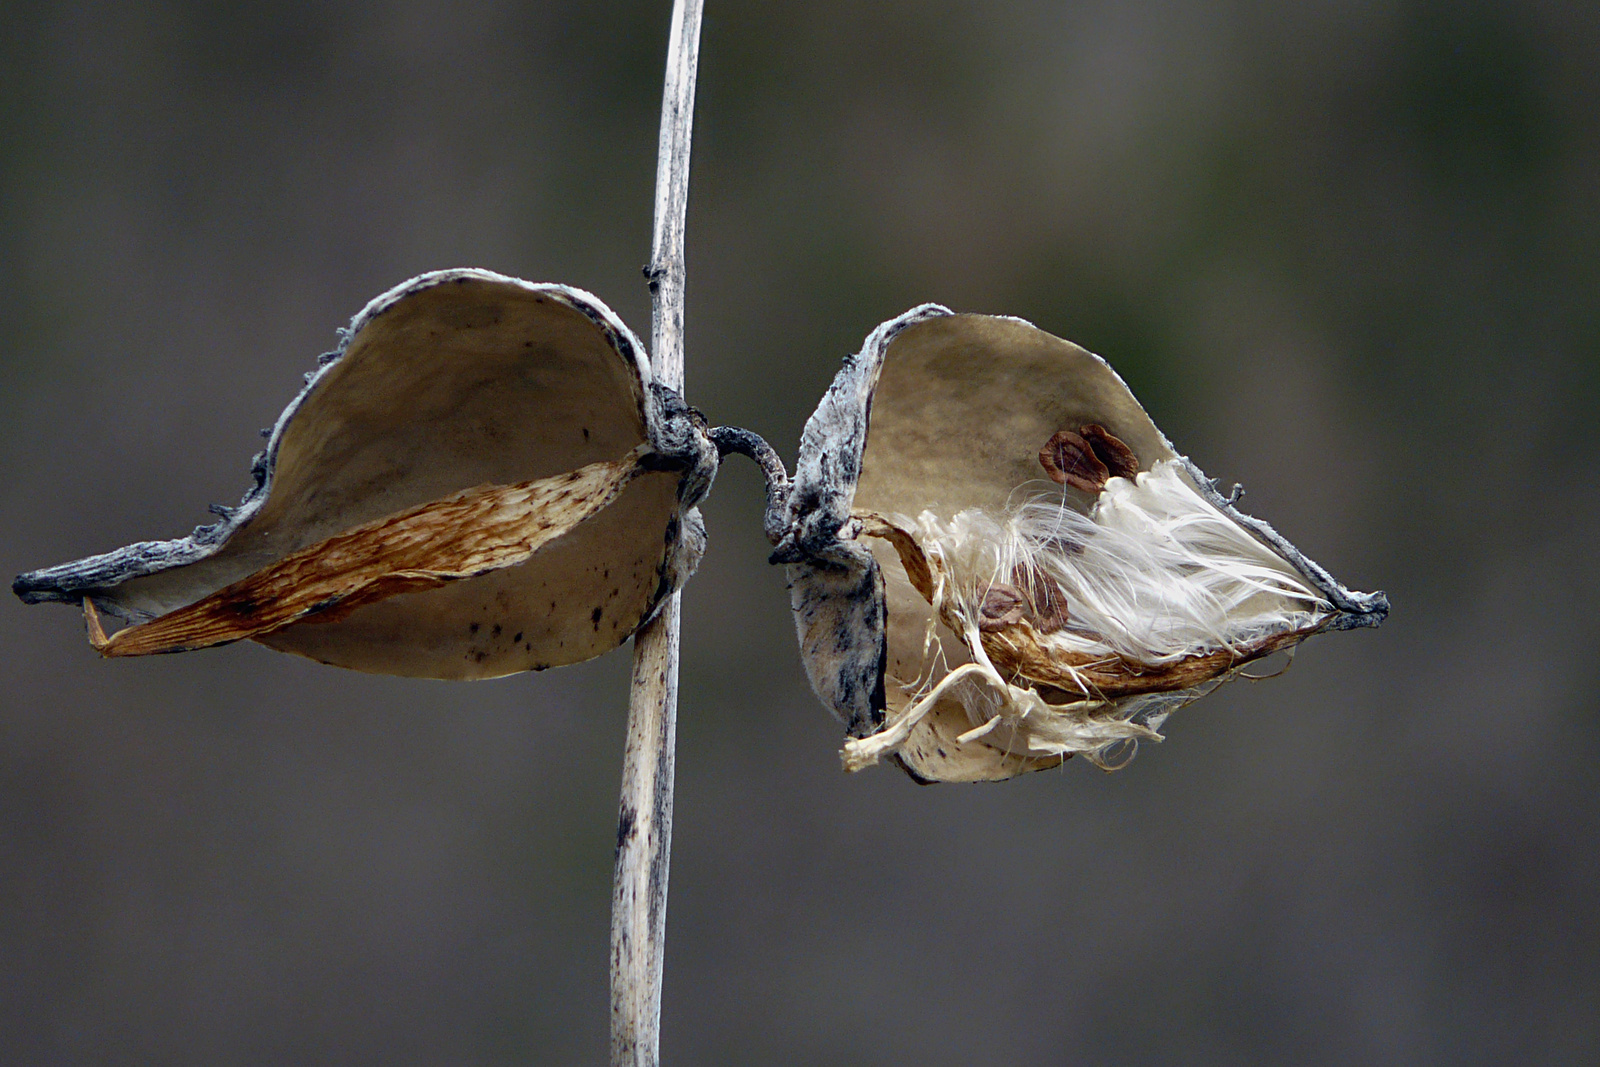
{"x":996,"y":561}
{"x":483,"y":478}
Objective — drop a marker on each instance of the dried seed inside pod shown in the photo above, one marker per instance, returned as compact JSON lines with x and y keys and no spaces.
{"x":483,"y":479}
{"x":1044,"y":595}
{"x":1119,"y":460}
{"x":1001,"y":606}
{"x":1070,"y":461}
{"x":918,"y":517}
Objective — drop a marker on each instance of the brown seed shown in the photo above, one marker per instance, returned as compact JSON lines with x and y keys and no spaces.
{"x":1070,"y":460}
{"x":1003,"y":605}
{"x":1048,"y":601}
{"x":1119,"y":458}
{"x":1062,"y":544}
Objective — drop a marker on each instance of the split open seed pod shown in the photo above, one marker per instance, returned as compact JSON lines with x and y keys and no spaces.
{"x":484,"y":478}
{"x":997,"y":561}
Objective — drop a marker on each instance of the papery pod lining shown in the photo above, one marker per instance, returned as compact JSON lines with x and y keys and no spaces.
{"x":452,"y":380}
{"x":957,"y":418}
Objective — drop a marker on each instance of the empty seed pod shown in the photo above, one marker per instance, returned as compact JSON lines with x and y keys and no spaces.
{"x":484,"y":478}
{"x":996,"y":560}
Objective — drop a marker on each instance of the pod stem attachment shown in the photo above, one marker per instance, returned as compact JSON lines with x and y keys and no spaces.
{"x":731,"y":439}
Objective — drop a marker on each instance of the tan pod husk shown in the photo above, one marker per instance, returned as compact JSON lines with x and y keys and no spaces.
{"x":997,"y":561}
{"x":484,"y":478}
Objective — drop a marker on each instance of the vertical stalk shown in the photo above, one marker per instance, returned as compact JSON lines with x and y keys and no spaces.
{"x":644,"y":818}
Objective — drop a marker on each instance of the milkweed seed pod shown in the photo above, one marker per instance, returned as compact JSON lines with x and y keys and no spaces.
{"x":484,"y":478}
{"x":996,"y":561}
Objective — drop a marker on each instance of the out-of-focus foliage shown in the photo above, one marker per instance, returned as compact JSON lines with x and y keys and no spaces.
{"x":1345,"y":253}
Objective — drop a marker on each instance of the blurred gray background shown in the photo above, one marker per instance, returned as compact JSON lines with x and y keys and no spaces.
{"x":1344,"y":251}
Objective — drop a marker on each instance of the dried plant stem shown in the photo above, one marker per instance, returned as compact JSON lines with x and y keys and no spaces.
{"x":644,"y":819}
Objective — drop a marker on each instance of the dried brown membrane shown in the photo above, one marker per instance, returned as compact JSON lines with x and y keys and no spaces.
{"x":483,"y":479}
{"x":996,"y":560}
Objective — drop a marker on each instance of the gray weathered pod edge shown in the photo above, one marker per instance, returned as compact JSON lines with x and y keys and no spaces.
{"x":977,"y":389}
{"x":454,"y":379}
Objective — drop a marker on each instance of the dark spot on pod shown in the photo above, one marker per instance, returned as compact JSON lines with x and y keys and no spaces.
{"x":594,"y":617}
{"x":472,"y":629}
{"x":1003,"y":605}
{"x":1119,"y":458}
{"x":496,"y":631}
{"x":1069,"y":460}
{"x":657,"y":462}
{"x":586,"y":433}
{"x":843,"y":640}
{"x":517,"y":640}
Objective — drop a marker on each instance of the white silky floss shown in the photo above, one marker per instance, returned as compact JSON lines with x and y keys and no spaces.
{"x":1152,"y":574}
